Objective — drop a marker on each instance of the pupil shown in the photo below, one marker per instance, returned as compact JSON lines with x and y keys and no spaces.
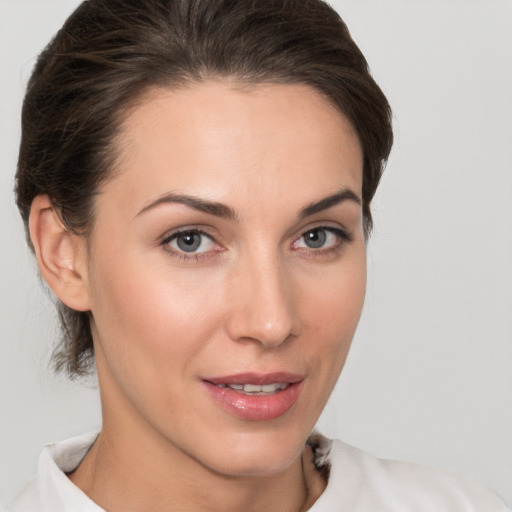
{"x":189,"y":242}
{"x":316,"y":238}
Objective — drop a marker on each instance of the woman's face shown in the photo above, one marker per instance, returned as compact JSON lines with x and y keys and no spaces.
{"x":227,"y":252}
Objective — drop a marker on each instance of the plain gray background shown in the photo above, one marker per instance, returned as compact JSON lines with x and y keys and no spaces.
{"x":429,"y":376}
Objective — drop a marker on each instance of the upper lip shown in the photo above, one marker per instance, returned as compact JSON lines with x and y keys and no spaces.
{"x":257,"y":378}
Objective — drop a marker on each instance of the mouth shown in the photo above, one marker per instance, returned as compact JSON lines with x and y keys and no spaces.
{"x":255,"y":397}
{"x":255,"y":389}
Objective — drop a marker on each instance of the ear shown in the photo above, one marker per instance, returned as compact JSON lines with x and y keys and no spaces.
{"x":61,"y":255}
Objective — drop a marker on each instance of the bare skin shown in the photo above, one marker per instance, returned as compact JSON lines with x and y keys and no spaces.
{"x":271,"y":283}
{"x":302,"y":490}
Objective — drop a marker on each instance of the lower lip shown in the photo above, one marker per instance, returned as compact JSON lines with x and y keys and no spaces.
{"x":255,"y":407}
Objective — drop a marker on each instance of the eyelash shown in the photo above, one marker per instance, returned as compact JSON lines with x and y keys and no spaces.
{"x":343,"y":237}
{"x":183,"y":256}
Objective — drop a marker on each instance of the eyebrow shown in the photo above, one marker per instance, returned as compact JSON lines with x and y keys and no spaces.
{"x":225,"y":212}
{"x":202,"y":205}
{"x":330,"y":201}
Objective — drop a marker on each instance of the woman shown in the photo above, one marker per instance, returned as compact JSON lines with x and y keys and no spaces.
{"x":196,"y":180}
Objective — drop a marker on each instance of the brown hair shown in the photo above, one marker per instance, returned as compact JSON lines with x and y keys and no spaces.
{"x":109,"y":52}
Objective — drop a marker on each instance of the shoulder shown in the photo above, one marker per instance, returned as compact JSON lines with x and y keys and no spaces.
{"x":360,"y":482}
{"x":51,"y":490}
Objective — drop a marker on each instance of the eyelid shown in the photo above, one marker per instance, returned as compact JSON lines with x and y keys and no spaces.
{"x":166,"y":240}
{"x":343,"y":235}
{"x":173,"y":233}
{"x":337,"y":229}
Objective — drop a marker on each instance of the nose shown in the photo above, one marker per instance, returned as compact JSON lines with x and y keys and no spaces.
{"x":262,"y":302}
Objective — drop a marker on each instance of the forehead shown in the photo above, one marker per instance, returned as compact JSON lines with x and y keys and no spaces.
{"x":226,"y":142}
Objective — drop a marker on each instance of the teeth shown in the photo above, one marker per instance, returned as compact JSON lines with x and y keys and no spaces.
{"x":252,"y":388}
{"x":271,"y":388}
{"x":255,"y":389}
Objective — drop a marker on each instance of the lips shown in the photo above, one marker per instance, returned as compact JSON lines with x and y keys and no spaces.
{"x":256,"y":389}
{"x":255,"y":396}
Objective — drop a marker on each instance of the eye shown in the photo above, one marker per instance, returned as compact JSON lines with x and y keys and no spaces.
{"x":191,"y":241}
{"x":322,"y":238}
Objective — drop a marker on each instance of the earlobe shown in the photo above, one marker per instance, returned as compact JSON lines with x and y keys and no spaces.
{"x":60,"y":254}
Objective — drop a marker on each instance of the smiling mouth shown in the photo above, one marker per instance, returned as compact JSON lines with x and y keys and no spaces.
{"x":255,"y":396}
{"x":256,"y":389}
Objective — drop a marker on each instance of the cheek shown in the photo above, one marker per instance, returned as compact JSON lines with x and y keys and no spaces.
{"x":146,"y":314}
{"x":332,"y":313}
{"x":334,"y":298}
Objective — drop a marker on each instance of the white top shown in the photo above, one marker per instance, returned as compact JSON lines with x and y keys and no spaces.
{"x":358,"y":482}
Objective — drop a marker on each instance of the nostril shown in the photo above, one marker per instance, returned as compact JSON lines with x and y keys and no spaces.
{"x":262,"y":306}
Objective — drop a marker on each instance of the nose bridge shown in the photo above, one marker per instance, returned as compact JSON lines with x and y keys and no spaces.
{"x":263,"y":303}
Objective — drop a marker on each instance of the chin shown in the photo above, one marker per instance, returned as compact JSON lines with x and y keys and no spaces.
{"x":262,"y":454}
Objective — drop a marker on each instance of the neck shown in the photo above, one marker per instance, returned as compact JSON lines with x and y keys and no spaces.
{"x":119,"y":474}
{"x":133,"y":467}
